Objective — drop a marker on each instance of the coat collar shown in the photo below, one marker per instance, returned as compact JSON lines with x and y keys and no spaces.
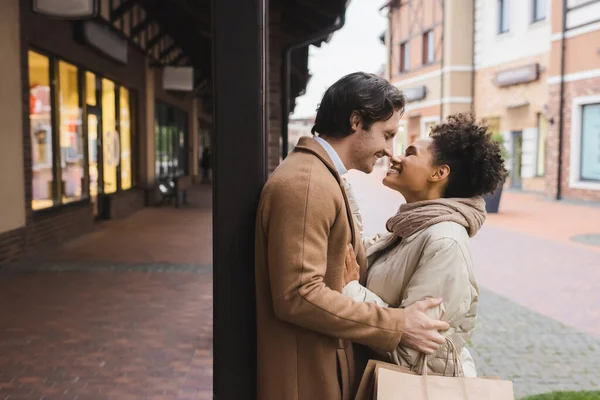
{"x":310,"y":145}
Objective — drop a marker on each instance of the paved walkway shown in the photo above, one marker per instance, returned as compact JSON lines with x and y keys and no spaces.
{"x":122,"y":313}
{"x":126,"y":312}
{"x":539,"y":323}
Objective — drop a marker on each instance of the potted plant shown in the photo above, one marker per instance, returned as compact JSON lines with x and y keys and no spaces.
{"x":492,"y":200}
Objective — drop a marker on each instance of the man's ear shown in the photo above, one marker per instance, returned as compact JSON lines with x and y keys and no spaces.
{"x":355,"y":121}
{"x":440,"y":173}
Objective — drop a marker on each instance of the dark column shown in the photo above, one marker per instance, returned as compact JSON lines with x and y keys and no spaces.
{"x":240,"y":32}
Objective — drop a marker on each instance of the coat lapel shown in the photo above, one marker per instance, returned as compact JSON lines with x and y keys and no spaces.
{"x":310,"y":145}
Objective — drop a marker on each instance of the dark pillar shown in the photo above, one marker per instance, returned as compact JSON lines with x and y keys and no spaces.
{"x":240,"y":32}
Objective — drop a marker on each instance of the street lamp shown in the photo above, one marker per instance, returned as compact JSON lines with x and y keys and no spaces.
{"x":68,"y":9}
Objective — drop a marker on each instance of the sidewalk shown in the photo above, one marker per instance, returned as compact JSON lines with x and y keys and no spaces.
{"x":122,"y":313}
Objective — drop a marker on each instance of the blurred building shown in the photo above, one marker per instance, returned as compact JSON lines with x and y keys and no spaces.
{"x":96,"y":112}
{"x":297,"y":128}
{"x":505,"y":61}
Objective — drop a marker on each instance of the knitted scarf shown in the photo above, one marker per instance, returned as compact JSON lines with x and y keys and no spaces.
{"x":414,"y":217}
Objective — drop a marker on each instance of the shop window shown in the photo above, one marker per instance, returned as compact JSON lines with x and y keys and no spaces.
{"x":71,"y":135}
{"x":110,"y":137}
{"x":40,"y":112}
{"x":125,"y":131}
{"x":59,"y":160}
{"x":171,"y":133}
{"x":590,"y":142}
{"x":541,"y":144}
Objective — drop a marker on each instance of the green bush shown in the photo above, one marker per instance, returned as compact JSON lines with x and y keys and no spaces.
{"x":498,"y":137}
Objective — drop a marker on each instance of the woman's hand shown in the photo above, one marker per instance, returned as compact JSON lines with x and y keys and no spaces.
{"x":352,"y":270}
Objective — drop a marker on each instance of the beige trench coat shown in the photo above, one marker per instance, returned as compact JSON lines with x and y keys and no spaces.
{"x":305,"y":325}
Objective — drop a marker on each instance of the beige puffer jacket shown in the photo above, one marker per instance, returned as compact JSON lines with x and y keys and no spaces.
{"x":435,"y":262}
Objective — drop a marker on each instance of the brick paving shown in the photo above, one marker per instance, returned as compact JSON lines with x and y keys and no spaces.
{"x":126,"y":312}
{"x":122,"y":313}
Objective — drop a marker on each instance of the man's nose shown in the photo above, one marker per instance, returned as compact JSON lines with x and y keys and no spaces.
{"x":397,"y":159}
{"x":388,"y":152}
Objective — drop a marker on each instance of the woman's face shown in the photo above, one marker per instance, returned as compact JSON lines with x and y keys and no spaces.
{"x":413,"y":174}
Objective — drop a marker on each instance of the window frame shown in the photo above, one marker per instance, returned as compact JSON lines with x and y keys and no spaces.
{"x":428,"y":48}
{"x":534,"y":10}
{"x":503,"y":6}
{"x":575,"y":177}
{"x":404,"y":56}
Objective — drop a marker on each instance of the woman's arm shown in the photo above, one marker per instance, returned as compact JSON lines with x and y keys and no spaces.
{"x":442,"y":272}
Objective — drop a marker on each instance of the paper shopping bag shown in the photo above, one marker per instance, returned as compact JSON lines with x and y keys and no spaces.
{"x":384,"y":381}
{"x":397,"y":385}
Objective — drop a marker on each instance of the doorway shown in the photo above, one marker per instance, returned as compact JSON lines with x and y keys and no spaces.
{"x":516,"y":181}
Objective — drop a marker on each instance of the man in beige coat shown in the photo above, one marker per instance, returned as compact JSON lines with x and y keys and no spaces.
{"x":304,"y":226}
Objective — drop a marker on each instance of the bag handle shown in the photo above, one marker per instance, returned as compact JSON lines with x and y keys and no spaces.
{"x":452,"y":351}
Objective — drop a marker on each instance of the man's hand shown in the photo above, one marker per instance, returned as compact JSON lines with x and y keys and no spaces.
{"x":352,"y":270}
{"x":421,"y":332}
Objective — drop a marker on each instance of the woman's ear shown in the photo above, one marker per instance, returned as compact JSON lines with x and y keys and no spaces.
{"x":440,"y":173}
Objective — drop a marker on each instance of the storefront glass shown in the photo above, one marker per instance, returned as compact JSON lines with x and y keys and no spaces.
{"x":171,"y":133}
{"x":71,"y":133}
{"x":109,"y":117}
{"x":110,"y":137}
{"x":125,"y":130}
{"x":40,"y":113}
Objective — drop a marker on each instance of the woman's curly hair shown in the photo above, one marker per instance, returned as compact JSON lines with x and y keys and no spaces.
{"x":475,"y":160}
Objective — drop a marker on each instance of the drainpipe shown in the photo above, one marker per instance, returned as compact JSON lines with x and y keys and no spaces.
{"x":442,"y":62}
{"x":562,"y":102}
{"x":473,"y":62}
{"x":286,"y":72}
{"x":390,"y":44}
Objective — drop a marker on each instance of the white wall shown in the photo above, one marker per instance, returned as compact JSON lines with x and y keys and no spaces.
{"x":524,"y":39}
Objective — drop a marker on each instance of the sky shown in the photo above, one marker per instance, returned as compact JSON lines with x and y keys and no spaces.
{"x":355,"y":47}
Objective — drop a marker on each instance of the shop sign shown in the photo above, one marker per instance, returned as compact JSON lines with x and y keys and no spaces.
{"x":106,"y":40}
{"x":515,"y":76}
{"x":67,"y":9}
{"x":178,"y":78}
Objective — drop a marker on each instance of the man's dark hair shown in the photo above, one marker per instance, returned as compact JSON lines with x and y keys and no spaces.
{"x":475,"y":160}
{"x":369,"y":95}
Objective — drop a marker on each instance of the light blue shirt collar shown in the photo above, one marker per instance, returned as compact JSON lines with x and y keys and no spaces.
{"x":337,"y":161}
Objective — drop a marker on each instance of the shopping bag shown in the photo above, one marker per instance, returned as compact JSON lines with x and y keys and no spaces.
{"x":384,"y":381}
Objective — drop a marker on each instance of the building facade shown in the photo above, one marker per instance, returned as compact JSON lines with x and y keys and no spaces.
{"x":510,"y":63}
{"x":94,"y":113}
{"x":430,"y":59}
{"x":573,"y":162}
{"x":511,"y":60}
